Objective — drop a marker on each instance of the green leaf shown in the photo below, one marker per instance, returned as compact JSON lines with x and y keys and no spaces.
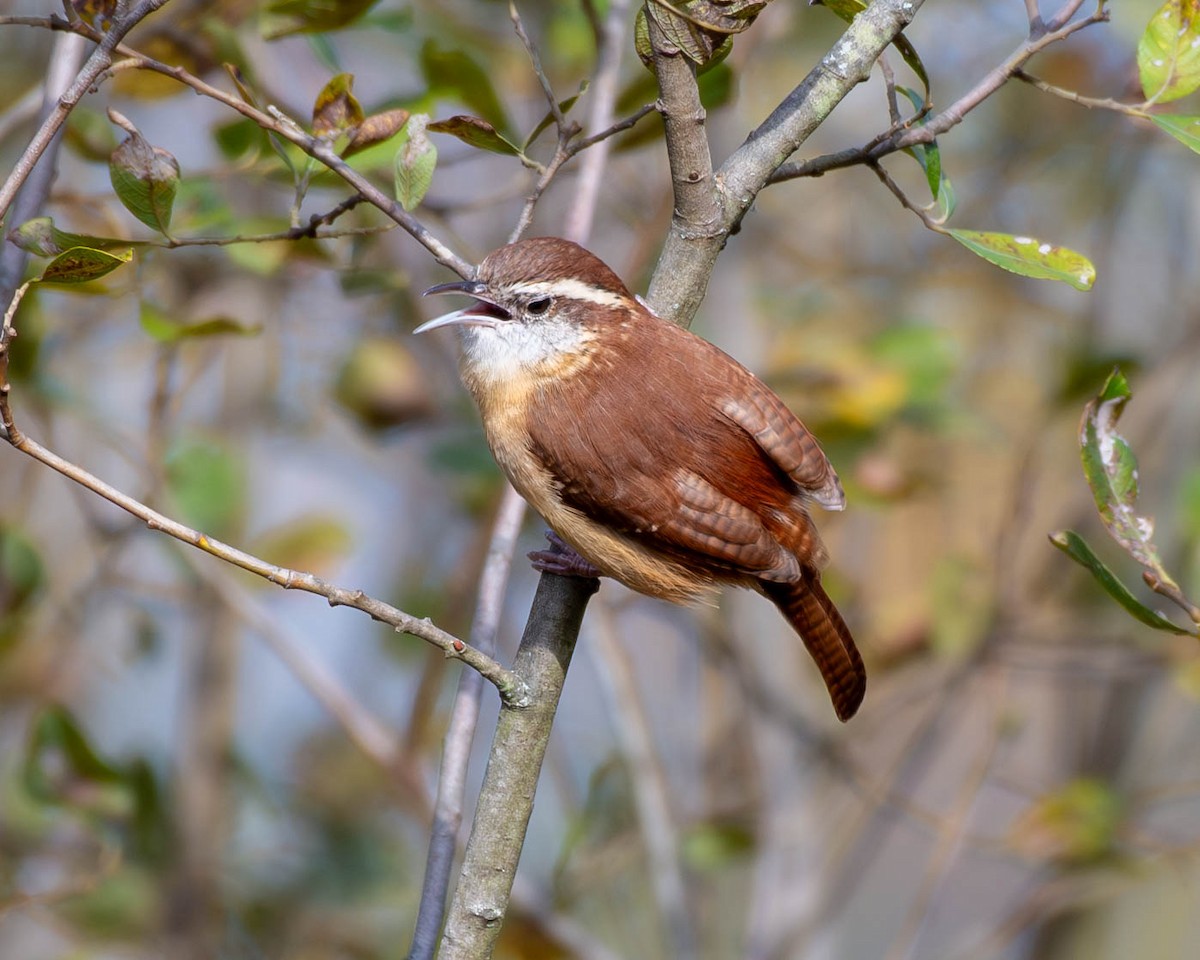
{"x":160,"y":327}
{"x":22,"y":572}
{"x":1184,"y":129}
{"x":58,"y":754}
{"x":476,"y":132}
{"x":1029,"y":257}
{"x":81,"y":264}
{"x":336,"y":110}
{"x":144,"y":176}
{"x":89,"y":134}
{"x":564,"y":107}
{"x":454,"y":74}
{"x":1168,"y":54}
{"x":1075,"y":547}
{"x":40,"y":236}
{"x":1112,"y":472}
{"x":208,"y":485}
{"x":282,"y":18}
{"x":415,"y":163}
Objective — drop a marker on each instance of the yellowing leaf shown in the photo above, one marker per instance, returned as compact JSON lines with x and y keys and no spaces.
{"x":476,"y":132}
{"x":81,"y":264}
{"x":375,"y":129}
{"x":1168,"y":53}
{"x":336,"y":110}
{"x":1029,"y":257}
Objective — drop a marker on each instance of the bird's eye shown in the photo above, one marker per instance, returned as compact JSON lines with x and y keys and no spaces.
{"x":538,"y":307}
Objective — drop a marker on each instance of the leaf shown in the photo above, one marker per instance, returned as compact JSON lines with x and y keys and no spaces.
{"x":374,"y":130}
{"x":1075,"y":547}
{"x":1074,"y":824}
{"x":1168,"y":54}
{"x":1184,"y":129}
{"x":415,"y":163}
{"x":144,"y":176}
{"x":96,"y":13}
{"x":58,"y":755}
{"x":160,"y":327}
{"x":208,"y":485}
{"x":1112,"y":472}
{"x":475,"y":132}
{"x":564,"y":107}
{"x":89,"y":134}
{"x":282,"y":18}
{"x":700,"y":29}
{"x":1029,"y":257}
{"x":39,"y":236}
{"x":81,"y":264}
{"x":22,"y":573}
{"x":454,"y":73}
{"x":336,"y":110}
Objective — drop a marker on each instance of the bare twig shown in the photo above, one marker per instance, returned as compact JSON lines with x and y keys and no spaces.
{"x":282,"y":126}
{"x":1056,"y":31}
{"x":694,"y":242}
{"x":603,"y":100}
{"x":511,"y":688}
{"x":560,"y":121}
{"x":650,"y":793}
{"x":505,"y":802}
{"x":365,"y":730}
{"x":1172,"y":592}
{"x":460,"y":734}
{"x":66,"y":56}
{"x":886,"y":179}
{"x":97,"y":63}
{"x":1092,"y":103}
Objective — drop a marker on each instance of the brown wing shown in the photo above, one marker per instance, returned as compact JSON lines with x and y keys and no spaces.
{"x":683,"y":450}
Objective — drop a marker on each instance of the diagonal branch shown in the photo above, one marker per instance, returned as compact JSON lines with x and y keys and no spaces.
{"x":689,"y":255}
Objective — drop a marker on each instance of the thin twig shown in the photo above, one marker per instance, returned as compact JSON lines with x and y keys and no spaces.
{"x":650,"y":793}
{"x":460,"y":733}
{"x":950,"y":117}
{"x":511,"y":688}
{"x":97,"y":63}
{"x":560,"y":121}
{"x":276,"y":122}
{"x":603,"y":101}
{"x":1092,"y":103}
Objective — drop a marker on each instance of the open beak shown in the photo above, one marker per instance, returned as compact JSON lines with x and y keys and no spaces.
{"x":482,"y":313}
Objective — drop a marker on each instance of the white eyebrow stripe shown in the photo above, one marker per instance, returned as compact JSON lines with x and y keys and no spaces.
{"x":570,"y":289}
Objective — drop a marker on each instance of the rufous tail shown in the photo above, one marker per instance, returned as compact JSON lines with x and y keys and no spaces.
{"x":812,"y":615}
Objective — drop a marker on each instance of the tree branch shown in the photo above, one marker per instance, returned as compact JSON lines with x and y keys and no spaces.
{"x":690,"y":254}
{"x":898,"y":139}
{"x":98,"y":62}
{"x":506,"y":798}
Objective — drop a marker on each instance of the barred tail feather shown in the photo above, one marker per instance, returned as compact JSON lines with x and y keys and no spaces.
{"x":812,"y":615}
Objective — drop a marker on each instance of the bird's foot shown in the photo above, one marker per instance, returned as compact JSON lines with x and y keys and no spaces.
{"x":561,"y":559}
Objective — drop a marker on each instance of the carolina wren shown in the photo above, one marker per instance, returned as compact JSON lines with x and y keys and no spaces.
{"x":660,"y":459}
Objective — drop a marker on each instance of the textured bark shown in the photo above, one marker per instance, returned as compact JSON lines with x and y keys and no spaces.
{"x":506,"y":797}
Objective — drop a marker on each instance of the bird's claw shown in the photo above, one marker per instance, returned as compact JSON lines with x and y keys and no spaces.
{"x":561,"y":559}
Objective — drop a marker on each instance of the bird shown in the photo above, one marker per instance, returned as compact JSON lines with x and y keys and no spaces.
{"x":658,"y":458}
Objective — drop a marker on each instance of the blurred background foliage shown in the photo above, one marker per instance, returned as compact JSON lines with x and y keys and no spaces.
{"x":1024,"y":779}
